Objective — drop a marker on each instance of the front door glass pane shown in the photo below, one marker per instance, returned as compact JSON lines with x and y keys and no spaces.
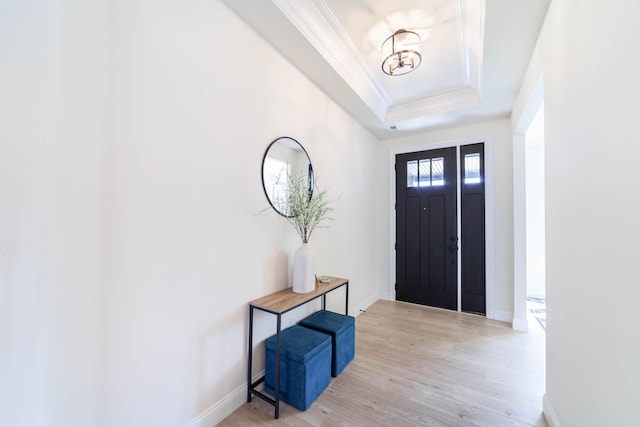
{"x":425,"y":172}
{"x":472,"y":168}
{"x":437,"y":171}
{"x":412,"y":173}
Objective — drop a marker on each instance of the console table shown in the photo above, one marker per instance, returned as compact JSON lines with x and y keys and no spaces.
{"x":280,"y":303}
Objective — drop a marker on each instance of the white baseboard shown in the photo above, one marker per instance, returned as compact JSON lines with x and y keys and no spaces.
{"x":365,"y":304}
{"x":549,"y":412}
{"x":217,"y":412}
{"x":520,"y":324}
{"x":385,"y":296}
{"x":503,"y":316}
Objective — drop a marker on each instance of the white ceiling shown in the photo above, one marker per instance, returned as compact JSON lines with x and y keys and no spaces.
{"x":474,"y":55}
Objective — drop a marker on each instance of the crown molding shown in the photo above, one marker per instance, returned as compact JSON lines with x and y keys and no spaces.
{"x":454,"y":99}
{"x":317,"y":23}
{"x":319,"y":26}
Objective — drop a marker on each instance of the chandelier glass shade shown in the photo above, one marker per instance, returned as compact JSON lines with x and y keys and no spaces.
{"x":401,"y":53}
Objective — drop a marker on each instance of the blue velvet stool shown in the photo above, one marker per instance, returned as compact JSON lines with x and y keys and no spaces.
{"x":342,"y":331}
{"x":305,"y":365}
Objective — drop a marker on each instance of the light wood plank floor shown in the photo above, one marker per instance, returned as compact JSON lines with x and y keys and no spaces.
{"x":419,"y":366}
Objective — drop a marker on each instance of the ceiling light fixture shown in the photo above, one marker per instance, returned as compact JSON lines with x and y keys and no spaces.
{"x":401,"y":53}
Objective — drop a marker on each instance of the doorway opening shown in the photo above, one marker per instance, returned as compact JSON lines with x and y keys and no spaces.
{"x":535,"y":222}
{"x":529,"y":290}
{"x":528,"y":211}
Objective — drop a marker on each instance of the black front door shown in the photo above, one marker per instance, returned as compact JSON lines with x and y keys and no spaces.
{"x":426,"y":228}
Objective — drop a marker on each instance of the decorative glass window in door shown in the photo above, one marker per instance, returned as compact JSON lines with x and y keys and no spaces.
{"x":472,"y":168}
{"x":425,"y":172}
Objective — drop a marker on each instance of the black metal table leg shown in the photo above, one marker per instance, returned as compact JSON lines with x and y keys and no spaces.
{"x":346,"y":300}
{"x":277,"y":387}
{"x":249,"y":367}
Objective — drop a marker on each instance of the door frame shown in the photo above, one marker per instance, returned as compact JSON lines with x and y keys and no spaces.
{"x":533,"y":102}
{"x":488,"y":209}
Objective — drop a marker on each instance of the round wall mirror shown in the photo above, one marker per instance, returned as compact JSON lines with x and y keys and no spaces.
{"x":284,"y":157}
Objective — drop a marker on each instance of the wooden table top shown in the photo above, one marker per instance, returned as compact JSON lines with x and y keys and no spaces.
{"x":285,"y":300}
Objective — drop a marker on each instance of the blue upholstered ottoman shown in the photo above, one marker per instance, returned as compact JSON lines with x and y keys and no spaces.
{"x":342,"y":331}
{"x":305,"y":365}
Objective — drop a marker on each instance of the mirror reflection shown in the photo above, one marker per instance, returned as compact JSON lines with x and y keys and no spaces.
{"x":284,"y":157}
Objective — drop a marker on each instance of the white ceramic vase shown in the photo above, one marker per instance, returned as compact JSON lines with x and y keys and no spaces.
{"x":304,"y":267}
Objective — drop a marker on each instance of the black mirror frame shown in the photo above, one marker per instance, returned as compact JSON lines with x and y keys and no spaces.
{"x":310,"y":172}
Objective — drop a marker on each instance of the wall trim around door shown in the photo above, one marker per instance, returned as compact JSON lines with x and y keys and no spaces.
{"x":503,"y":316}
{"x":489,"y":206}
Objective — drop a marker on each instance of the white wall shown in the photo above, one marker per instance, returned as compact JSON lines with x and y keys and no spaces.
{"x":497,"y":136}
{"x":132,"y":237}
{"x":590,"y":98}
{"x":72,"y":215}
{"x":23,"y":28}
{"x":189,"y":245}
{"x":52,"y":142}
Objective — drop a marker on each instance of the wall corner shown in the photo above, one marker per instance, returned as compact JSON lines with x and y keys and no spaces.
{"x":549,"y":412}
